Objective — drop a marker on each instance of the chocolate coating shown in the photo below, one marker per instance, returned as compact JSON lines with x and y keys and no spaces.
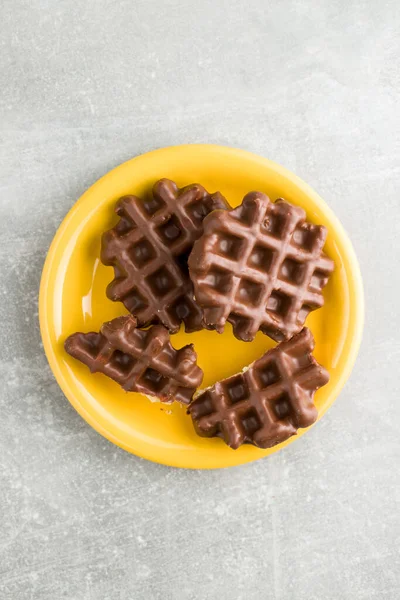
{"x":148,"y":249}
{"x":139,"y":360}
{"x":261,"y":267}
{"x":266,"y":403}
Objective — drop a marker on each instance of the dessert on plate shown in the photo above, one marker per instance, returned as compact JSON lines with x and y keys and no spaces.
{"x":140,"y":360}
{"x":266,"y":403}
{"x":148,"y":249}
{"x":183,"y":256}
{"x":260,"y":266}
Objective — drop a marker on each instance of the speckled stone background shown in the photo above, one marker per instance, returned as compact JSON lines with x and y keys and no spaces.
{"x":85,"y":85}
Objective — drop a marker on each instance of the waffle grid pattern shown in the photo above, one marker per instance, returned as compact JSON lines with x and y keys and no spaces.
{"x":260,"y":267}
{"x":139,"y":360}
{"x":148,"y":249}
{"x":268,"y":402}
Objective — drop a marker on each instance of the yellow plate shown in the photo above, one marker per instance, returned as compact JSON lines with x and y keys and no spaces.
{"x":72,"y":298}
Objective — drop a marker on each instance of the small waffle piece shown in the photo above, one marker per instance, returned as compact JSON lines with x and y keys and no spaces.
{"x":266,"y":403}
{"x":261,"y":267}
{"x":139,"y":360}
{"x":148,"y":249}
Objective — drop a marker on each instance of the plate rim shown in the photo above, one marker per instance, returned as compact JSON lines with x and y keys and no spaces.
{"x":357,"y":286}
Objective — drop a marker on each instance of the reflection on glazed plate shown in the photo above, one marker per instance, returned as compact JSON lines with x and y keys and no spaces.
{"x":72,"y":298}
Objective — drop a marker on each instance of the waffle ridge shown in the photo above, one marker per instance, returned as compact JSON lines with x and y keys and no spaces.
{"x":266,"y":403}
{"x":139,"y":360}
{"x":148,"y":249}
{"x":260,"y":266}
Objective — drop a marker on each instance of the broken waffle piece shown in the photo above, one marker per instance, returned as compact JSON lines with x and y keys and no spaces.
{"x":266,"y":403}
{"x":148,"y":249}
{"x":139,"y":360}
{"x":261,"y":267}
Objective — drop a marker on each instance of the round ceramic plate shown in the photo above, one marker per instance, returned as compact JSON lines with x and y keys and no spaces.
{"x":72,"y":298}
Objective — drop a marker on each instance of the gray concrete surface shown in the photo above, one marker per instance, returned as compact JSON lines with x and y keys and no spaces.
{"x":85,"y":85}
